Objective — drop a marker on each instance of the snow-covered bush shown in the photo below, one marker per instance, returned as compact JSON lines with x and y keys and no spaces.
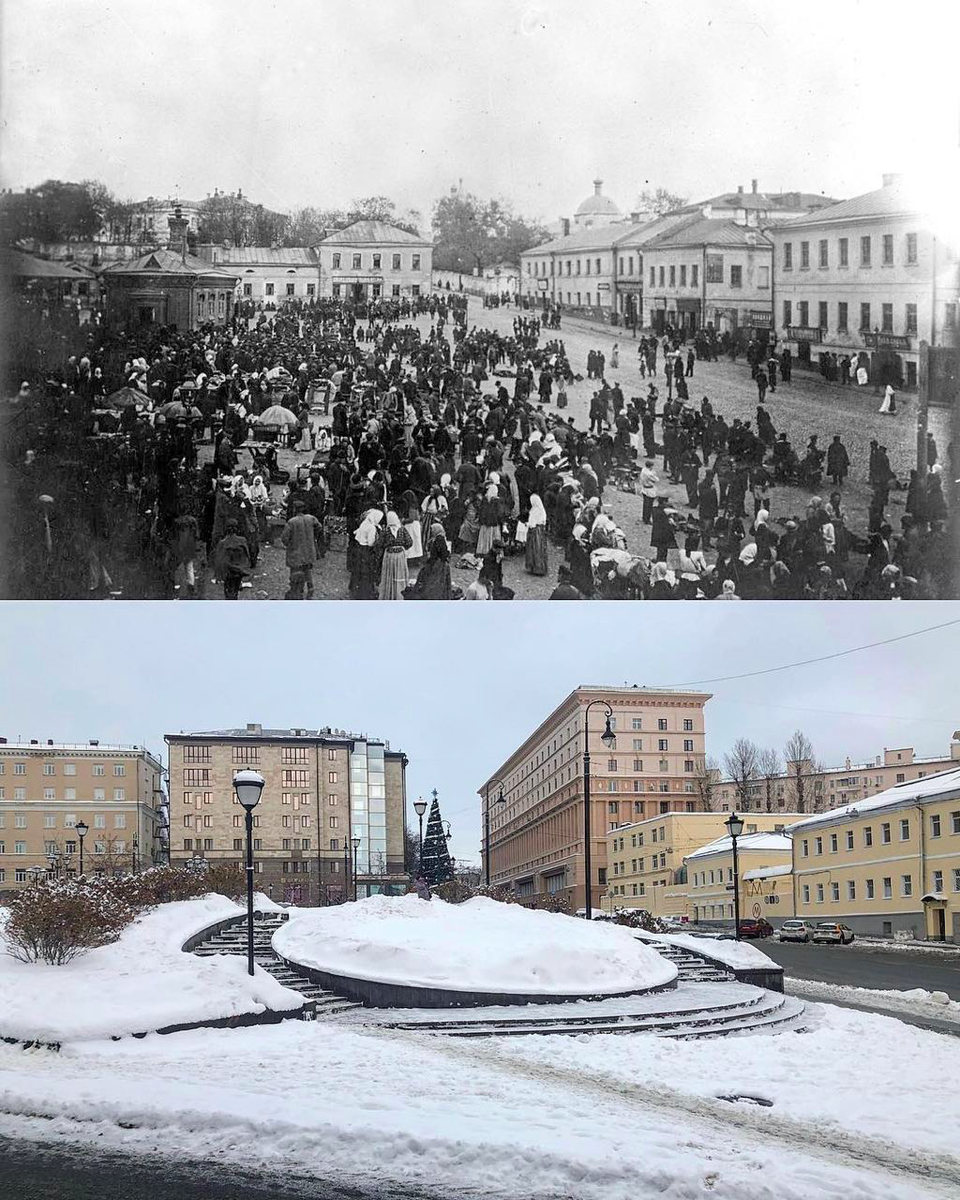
{"x":639,"y":918}
{"x":54,"y":920}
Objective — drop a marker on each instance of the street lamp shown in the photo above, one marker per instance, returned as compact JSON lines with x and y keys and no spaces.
{"x":734,"y":826}
{"x":36,"y":873}
{"x":356,"y":847}
{"x":420,"y":807}
{"x":346,"y":869}
{"x":609,"y":739}
{"x":248,"y":786}
{"x":501,"y":799}
{"x":82,"y":827}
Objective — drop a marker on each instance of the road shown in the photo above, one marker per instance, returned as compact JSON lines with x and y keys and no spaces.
{"x":48,"y":1171}
{"x":850,"y":966}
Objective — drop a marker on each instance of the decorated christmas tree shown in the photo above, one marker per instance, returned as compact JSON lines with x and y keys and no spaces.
{"x":435,"y":865}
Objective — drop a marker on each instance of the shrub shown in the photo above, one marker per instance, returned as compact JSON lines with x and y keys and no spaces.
{"x":226,"y":879}
{"x":639,"y":918}
{"x":158,"y":885}
{"x":54,"y":920}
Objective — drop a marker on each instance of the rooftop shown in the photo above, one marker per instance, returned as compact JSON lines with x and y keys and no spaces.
{"x":945,"y":783}
{"x":263,"y":733}
{"x":19,"y":264}
{"x":44,"y":747}
{"x":894,"y":200}
{"x":597,"y":204}
{"x":749,"y":841}
{"x":373,"y":233}
{"x":768,"y":872}
{"x":243,"y":256}
{"x":168,"y":262}
{"x":711,"y":232}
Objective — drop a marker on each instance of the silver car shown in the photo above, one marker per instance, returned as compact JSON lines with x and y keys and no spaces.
{"x":796,"y":931}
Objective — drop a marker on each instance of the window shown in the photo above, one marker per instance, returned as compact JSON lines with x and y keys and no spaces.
{"x":49,"y":821}
{"x":683,"y":276}
{"x":673,"y":276}
{"x":195,"y":777}
{"x":834,"y":891}
{"x":416,"y":262}
{"x":886,"y":318}
{"x":819,"y":893}
{"x":311,"y":289}
{"x":119,"y":794}
{"x":415,"y":289}
{"x":842,"y":316}
{"x":291,"y":289}
{"x":653,"y":276}
{"x":911,"y":247}
{"x":868,"y":835}
{"x":763,"y":277}
{"x":805,"y":848}
{"x":935,"y":826}
{"x":357,"y":261}
{"x":849,"y":839}
{"x":806,"y":893}
{"x":736,"y":276}
{"x":788,"y":256}
{"x":887,"y":887}
{"x":864,"y":317}
{"x":376,"y":262}
{"x":904,"y":830}
{"x":336,"y":262}
{"x":662,"y":723}
{"x":20,"y":821}
{"x":662,"y":276}
{"x":955,"y":821}
{"x":938,"y":881}
{"x":956,"y":879}
{"x":888,"y":249}
{"x":804,"y":256}
{"x":662,"y":744}
{"x":870,"y":891}
{"x":911,"y":318}
{"x":21,"y":769}
{"x":269,"y":291}
{"x":833,"y":843}
{"x":818,"y":845}
{"x":803,"y":307}
{"x":906,"y":885}
{"x":865,"y":252}
{"x":49,"y":793}
{"x":611,"y":764}
{"x":851,"y":889}
{"x":19,"y":847}
{"x":823,"y":321}
{"x":824,"y":259}
{"x":695,"y":275}
{"x":49,"y":769}
{"x":844,"y":248}
{"x":787,"y":313}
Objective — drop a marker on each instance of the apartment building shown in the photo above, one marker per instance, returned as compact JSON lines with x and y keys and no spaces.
{"x":867,"y":278}
{"x":646,"y":859}
{"x":47,"y":788}
{"x":763,"y":864}
{"x":324,"y":789}
{"x":273,"y":275}
{"x":826,"y":788}
{"x":887,"y":865}
{"x":655,"y":766}
{"x":370,"y":260}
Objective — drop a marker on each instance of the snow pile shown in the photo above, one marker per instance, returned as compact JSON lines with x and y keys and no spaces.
{"x":481,"y":945}
{"x":742,"y":955}
{"x":142,"y":982}
{"x":917,"y":1002}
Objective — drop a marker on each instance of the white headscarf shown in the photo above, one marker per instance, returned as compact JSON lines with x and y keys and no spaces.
{"x":538,"y":514}
{"x":366,"y":533}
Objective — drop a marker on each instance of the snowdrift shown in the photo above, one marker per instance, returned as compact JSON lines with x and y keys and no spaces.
{"x":479,"y":946}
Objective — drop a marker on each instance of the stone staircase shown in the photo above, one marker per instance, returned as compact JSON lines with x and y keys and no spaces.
{"x":691,"y":967}
{"x":233,"y":940}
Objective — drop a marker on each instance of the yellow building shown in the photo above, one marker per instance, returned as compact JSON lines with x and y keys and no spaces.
{"x":710,"y":882}
{"x":646,"y":858}
{"x":47,"y":789}
{"x":887,"y":865}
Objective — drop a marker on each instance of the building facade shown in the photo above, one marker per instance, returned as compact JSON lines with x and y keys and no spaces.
{"x":870,"y":279}
{"x":372,"y":260}
{"x":763,"y":866}
{"x":268,"y":276}
{"x":885,"y":866}
{"x":324,"y":789}
{"x":47,"y":788}
{"x":646,"y":859}
{"x":656,"y":765}
{"x":823,"y":789}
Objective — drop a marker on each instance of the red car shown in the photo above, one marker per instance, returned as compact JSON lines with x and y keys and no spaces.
{"x":755,"y":927}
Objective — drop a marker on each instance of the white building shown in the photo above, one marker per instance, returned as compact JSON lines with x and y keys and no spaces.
{"x":269,"y":275}
{"x":867,"y":277}
{"x":372,"y":259}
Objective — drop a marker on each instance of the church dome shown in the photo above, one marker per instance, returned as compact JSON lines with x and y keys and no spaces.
{"x":598,"y":205}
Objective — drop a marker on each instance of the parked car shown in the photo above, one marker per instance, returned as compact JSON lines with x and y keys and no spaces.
{"x":755,"y":927}
{"x":797,"y":931}
{"x":832,"y":931}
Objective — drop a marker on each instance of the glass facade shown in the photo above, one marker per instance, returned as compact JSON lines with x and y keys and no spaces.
{"x":368,"y":807}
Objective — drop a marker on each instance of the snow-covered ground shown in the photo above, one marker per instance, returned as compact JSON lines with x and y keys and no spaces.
{"x":861,"y":1109}
{"x":728,"y":951}
{"x":480,"y":945}
{"x":916,"y":1001}
{"x":142,"y":982}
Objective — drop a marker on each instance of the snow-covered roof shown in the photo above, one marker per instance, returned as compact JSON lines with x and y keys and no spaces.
{"x":945,"y":783}
{"x":768,"y":872}
{"x":748,"y":841}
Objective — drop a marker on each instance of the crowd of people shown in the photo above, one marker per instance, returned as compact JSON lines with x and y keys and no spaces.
{"x":420,"y":444}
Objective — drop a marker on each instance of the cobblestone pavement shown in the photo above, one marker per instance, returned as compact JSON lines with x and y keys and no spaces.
{"x":807,"y":405}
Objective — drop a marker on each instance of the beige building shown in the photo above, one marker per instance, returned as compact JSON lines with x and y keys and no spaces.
{"x":763,"y":864}
{"x":826,"y":788}
{"x":48,"y":788}
{"x":268,"y":275}
{"x":646,"y":859}
{"x":887,"y":865}
{"x":656,"y":766}
{"x":370,"y":260}
{"x":324,"y":788}
{"x":867,"y":277}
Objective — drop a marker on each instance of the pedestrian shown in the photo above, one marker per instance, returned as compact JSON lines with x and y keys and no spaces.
{"x":615,"y":356}
{"x":232,"y":561}
{"x":889,"y":402}
{"x":394,"y":542}
{"x":838,"y":461}
{"x":299,"y":538}
{"x":535,"y":555}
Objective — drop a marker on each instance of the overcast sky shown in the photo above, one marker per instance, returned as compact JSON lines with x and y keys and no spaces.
{"x":320,"y":101}
{"x":459,"y":686}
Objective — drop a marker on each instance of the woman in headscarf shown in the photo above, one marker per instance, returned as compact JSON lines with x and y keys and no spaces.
{"x":535,"y":558}
{"x":365,"y":566}
{"x":260,"y":501}
{"x":603,"y":531}
{"x":433,"y":581}
{"x":660,"y":586}
{"x":480,"y":589}
{"x":578,"y":556}
{"x":490,"y":517}
{"x":394,"y":541}
{"x":729,"y":591}
{"x":434,"y":508}
{"x":410,"y":512}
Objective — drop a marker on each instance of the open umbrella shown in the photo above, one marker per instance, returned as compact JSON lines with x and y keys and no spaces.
{"x":276,"y":414}
{"x":173,"y":408}
{"x":125,"y":397}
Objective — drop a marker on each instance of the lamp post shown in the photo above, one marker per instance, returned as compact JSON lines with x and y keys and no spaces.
{"x":420,"y":807}
{"x":82,"y":828}
{"x":608,"y":739}
{"x":501,"y":799}
{"x":356,"y":847}
{"x":734,"y":826}
{"x":248,"y":786}
{"x":346,"y":869}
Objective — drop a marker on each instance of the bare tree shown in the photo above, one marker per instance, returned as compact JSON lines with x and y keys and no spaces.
{"x":769,"y":768}
{"x":705,"y":777}
{"x":741,"y":764}
{"x":798,"y":753}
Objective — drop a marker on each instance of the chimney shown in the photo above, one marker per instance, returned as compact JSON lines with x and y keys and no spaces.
{"x":889,"y":179}
{"x":34,"y":742}
{"x":3,"y":741}
{"x":178,"y":233}
{"x":49,"y":741}
{"x":254,"y":728}
{"x":635,"y":218}
{"x":846,"y":765}
{"x":739,"y":189}
{"x":753,"y":186}
{"x":565,"y":225}
{"x":94,"y":742}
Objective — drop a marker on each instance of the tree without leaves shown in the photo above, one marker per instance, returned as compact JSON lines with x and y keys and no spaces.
{"x":740,"y":763}
{"x":659,"y":201}
{"x":798,"y":754}
{"x":769,"y":768}
{"x":706,"y":774}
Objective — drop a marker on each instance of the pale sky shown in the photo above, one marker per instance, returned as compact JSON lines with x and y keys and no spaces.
{"x":459,"y":686}
{"x":320,"y":101}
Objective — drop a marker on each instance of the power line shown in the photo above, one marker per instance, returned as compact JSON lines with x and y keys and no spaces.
{"x":806,"y":662}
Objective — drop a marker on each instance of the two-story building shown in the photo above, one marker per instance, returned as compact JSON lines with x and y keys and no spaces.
{"x":272,"y":276}
{"x":868,"y":278}
{"x":887,"y":865}
{"x":763,"y":868}
{"x":372,"y":260}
